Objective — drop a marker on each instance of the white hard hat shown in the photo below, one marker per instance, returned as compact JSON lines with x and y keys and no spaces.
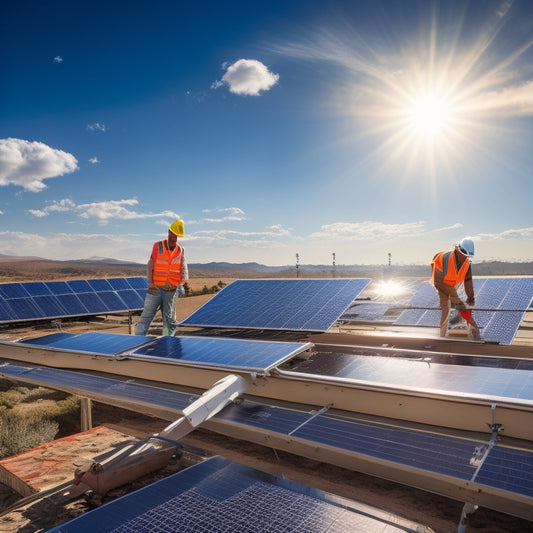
{"x":466,"y":246}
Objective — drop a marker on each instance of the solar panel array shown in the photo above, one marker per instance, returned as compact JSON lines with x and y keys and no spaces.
{"x":249,"y":355}
{"x":506,"y":470}
{"x":219,"y":495}
{"x":290,"y":304}
{"x":59,"y":299}
{"x":511,"y":295}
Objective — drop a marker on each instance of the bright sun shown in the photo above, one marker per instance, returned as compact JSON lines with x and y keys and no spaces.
{"x":429,"y":115}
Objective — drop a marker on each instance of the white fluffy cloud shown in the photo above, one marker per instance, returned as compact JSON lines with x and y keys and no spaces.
{"x":364,"y":231}
{"x":234,"y":214}
{"x":27,"y":164}
{"x":248,"y":77}
{"x":97,"y":126}
{"x":102,"y":211}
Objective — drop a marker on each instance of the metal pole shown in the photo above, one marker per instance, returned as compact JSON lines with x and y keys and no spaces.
{"x":297,"y":265}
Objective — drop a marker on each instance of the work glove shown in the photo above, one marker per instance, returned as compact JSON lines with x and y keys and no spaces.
{"x":471,"y":302}
{"x":187,"y":288}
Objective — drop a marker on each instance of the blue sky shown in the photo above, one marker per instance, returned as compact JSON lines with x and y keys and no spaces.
{"x":273,"y":128}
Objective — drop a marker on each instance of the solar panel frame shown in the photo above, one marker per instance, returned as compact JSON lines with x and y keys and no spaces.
{"x":284,"y":304}
{"x":214,"y":352}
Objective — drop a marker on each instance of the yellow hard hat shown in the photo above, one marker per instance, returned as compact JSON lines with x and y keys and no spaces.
{"x":177,"y":228}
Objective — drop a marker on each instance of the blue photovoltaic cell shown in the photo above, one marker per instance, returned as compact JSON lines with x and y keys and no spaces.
{"x":221,"y":352}
{"x":92,"y":302}
{"x":24,"y":308}
{"x":112,"y":301}
{"x":98,"y":343}
{"x":490,"y":293}
{"x":138,"y":283}
{"x":297,"y":304}
{"x":73,"y":305}
{"x":37,"y":289}
{"x":13,"y":290}
{"x":59,"y":287}
{"x":50,"y":306}
{"x":6,"y":314}
{"x":508,"y":469}
{"x":99,"y":285}
{"x":79,"y":285}
{"x":219,"y":495}
{"x":131,"y":298}
{"x":119,"y":283}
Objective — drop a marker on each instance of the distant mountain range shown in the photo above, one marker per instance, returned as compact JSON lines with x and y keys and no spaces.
{"x":252,"y":269}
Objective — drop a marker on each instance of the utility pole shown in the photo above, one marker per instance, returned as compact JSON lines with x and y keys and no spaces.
{"x":297,"y":265}
{"x":390,"y":259}
{"x":333,"y":254}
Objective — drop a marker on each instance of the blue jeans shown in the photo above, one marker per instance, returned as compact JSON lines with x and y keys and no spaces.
{"x":166,"y":300}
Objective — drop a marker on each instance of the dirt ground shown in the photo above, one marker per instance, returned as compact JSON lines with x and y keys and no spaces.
{"x":439,"y":513}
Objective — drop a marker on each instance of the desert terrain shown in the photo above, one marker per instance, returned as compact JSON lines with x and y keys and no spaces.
{"x":439,"y":513}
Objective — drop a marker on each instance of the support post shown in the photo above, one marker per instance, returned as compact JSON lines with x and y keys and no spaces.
{"x":86,"y":422}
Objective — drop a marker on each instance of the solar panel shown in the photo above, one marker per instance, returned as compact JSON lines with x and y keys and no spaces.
{"x":297,"y":304}
{"x":93,"y":342}
{"x":482,"y":381}
{"x":220,"y":495}
{"x":251,"y":355}
{"x":491,"y":293}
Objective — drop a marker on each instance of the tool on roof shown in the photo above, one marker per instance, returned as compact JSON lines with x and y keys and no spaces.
{"x":139,"y":458}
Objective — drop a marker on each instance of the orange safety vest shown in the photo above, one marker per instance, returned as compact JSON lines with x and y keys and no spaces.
{"x":167,"y":265}
{"x":445,"y":262}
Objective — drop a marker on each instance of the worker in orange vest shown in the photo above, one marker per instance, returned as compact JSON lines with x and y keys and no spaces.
{"x":167,"y":273}
{"x":448,"y":271}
